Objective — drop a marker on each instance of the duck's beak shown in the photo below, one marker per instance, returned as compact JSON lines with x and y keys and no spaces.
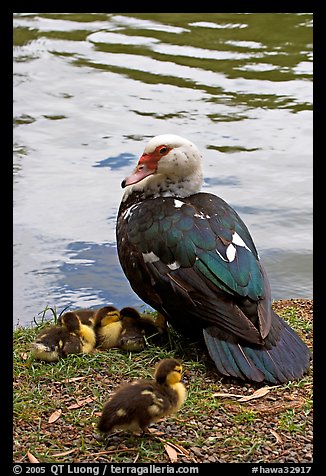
{"x":147,"y":165}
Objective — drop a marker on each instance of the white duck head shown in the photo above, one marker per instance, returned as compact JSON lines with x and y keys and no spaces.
{"x":169,"y":166}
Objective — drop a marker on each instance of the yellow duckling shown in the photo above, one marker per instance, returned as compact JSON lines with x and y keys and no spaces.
{"x":136,"y":404}
{"x":72,"y":322}
{"x":86,"y":316}
{"x":108,"y":326}
{"x":54,"y":343}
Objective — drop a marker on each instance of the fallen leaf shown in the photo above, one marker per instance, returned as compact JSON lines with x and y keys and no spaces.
{"x":261,"y":392}
{"x":155,"y":432}
{"x":66,"y":452}
{"x":31,"y":458}
{"x":72,"y":379}
{"x":181,"y":449}
{"x":81,"y":403}
{"x":245,"y":398}
{"x":55,"y":415}
{"x":277,"y":436}
{"x":173,"y":455}
{"x":227,"y":395}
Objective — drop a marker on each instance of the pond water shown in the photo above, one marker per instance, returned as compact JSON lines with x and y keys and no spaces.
{"x":90,"y":89}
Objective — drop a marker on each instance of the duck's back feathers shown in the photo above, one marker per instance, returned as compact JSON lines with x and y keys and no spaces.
{"x":194,"y":261}
{"x":199,"y":250}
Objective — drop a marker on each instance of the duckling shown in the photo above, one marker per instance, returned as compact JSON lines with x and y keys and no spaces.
{"x":86,"y":316}
{"x":154,"y":328}
{"x":136,"y":327}
{"x":72,"y":323}
{"x":54,"y":343}
{"x":132,"y":333}
{"x":136,"y":404}
{"x":108,"y":327}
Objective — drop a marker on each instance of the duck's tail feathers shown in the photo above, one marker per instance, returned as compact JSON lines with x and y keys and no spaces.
{"x":283,"y":357}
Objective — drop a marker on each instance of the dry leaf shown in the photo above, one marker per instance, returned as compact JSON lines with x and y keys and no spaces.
{"x":173,"y":455}
{"x":81,"y":403}
{"x":277,"y":436}
{"x":32,"y":458}
{"x":181,"y":449}
{"x":72,"y":379}
{"x":55,"y":415}
{"x":66,"y":452}
{"x":261,"y":392}
{"x":227,"y":395}
{"x":155,"y":432}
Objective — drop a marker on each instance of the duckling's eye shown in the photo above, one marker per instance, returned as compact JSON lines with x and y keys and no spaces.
{"x":163,"y":150}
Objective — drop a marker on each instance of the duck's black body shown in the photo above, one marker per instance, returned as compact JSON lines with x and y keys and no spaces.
{"x":194,"y":261}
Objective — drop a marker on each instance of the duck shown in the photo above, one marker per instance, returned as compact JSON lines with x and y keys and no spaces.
{"x":137,"y":404}
{"x":190,"y":256}
{"x":57,"y":341}
{"x":72,"y":322}
{"x":108,"y":327}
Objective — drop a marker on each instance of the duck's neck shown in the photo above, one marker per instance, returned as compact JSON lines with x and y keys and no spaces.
{"x":160,"y":185}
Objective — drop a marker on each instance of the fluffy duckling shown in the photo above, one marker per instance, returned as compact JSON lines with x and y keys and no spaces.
{"x":136,"y":404}
{"x":154,"y":328}
{"x":72,"y":322}
{"x":54,"y":343}
{"x":108,"y":327}
{"x":136,"y":326}
{"x":86,"y":316}
{"x":132,"y":333}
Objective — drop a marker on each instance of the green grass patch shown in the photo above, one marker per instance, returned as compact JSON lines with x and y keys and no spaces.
{"x":224,"y":428}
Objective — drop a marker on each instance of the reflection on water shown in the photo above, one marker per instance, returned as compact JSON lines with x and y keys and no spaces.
{"x":91,"y":88}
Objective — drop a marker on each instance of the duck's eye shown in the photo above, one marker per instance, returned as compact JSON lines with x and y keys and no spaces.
{"x":163,"y":150}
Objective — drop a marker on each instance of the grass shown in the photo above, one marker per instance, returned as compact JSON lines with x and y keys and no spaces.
{"x":206,"y":428}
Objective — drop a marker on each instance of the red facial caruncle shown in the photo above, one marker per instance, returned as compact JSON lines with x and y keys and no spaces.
{"x":147,"y":165}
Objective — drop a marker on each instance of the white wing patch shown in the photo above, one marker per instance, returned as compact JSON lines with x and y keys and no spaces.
{"x":129,"y":211}
{"x":201,"y":215}
{"x":150,"y":257}
{"x":178,"y":203}
{"x":174,"y":265}
{"x":237,"y":240}
{"x":230,"y":252}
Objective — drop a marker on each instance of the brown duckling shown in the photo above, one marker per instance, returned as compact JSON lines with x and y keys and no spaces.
{"x":132,"y":333}
{"x":135,"y":405}
{"x":155,"y":328}
{"x":135,"y":327}
{"x":72,"y":322}
{"x":108,"y":326}
{"x":54,"y":343}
